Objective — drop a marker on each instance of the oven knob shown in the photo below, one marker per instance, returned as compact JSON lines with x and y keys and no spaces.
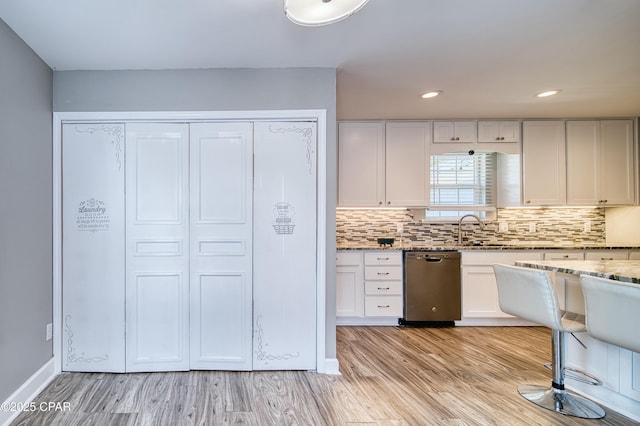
{"x":434,"y":309}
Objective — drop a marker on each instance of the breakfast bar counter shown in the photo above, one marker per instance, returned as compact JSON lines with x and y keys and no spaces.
{"x":621,"y":270}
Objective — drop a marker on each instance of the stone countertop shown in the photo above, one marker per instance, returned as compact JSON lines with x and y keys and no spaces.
{"x":621,"y":270}
{"x":442,"y":247}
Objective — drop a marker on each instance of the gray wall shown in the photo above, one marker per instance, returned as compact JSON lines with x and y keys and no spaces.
{"x":25,"y":211}
{"x":216,"y":90}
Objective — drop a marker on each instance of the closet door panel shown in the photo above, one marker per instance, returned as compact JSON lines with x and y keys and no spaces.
{"x":284,"y":246}
{"x":221,"y":245}
{"x":157,"y":269}
{"x":93,"y":253}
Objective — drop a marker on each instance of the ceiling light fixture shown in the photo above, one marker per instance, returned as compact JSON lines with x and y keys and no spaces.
{"x":311,"y":13}
{"x":431,"y":94}
{"x":548,"y":93}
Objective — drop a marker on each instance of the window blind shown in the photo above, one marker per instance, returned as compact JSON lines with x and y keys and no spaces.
{"x":463,"y":182}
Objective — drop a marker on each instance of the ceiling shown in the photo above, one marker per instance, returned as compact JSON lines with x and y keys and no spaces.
{"x":488,"y":56}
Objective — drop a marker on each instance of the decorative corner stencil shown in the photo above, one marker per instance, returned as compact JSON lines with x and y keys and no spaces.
{"x":92,"y":216}
{"x":71,"y":352}
{"x":114,"y":131}
{"x":284,"y":218}
{"x":306,"y":133}
{"x":261,"y":353}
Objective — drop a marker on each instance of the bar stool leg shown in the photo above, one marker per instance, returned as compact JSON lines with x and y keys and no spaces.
{"x":556,"y":398}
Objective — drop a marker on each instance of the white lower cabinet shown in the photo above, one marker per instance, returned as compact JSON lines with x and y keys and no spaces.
{"x":349,"y":284}
{"x":369,"y":287}
{"x":479,"y":288}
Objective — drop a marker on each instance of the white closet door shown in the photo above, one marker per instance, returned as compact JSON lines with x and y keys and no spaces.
{"x":157,"y":293}
{"x":284,"y":273}
{"x":221,"y":245}
{"x":93,"y":247}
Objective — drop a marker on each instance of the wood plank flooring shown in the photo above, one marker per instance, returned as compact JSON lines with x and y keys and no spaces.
{"x":390,"y":376}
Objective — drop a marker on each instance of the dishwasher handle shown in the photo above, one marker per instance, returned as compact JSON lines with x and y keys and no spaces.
{"x":433,"y":259}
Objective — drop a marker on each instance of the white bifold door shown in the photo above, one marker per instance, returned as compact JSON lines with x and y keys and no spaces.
{"x":189,"y":246}
{"x":93,"y":249}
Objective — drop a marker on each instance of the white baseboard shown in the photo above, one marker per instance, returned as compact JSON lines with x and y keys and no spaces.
{"x":28,"y":391}
{"x":331,"y":366}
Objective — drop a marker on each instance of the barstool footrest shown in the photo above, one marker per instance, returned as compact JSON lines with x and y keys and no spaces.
{"x":578,"y":376}
{"x":562,"y":402}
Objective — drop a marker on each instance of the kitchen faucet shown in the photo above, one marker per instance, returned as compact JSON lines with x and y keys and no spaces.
{"x":460,"y":225}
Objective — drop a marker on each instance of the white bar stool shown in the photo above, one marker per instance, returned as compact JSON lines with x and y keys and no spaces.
{"x":612,"y":310}
{"x":529,"y":294}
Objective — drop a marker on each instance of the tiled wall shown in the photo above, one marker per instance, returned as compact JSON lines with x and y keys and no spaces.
{"x":561,"y":226}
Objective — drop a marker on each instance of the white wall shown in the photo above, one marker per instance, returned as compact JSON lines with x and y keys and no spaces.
{"x":217,"y":90}
{"x":25,"y":212}
{"x":622,"y":226}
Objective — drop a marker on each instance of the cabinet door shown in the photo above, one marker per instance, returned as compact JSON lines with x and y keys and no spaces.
{"x":93,"y":251}
{"x":498,"y":131}
{"x":583,"y":163}
{"x":454,"y":131}
{"x":480,"y":293}
{"x":157,"y":194}
{"x":544,"y":166}
{"x":349,"y":291}
{"x":221,"y":254}
{"x":407,"y":164}
{"x":617,"y":162}
{"x":361,"y":176}
{"x":284,"y":242}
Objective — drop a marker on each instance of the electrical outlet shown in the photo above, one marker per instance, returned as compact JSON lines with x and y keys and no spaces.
{"x":49,"y":332}
{"x":399,"y":227}
{"x":503,"y":226}
{"x":532,"y":227}
{"x":587,"y":226}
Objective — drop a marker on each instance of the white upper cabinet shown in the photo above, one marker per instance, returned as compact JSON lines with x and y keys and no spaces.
{"x":407,"y":164}
{"x":454,"y":131}
{"x":600,"y":162}
{"x":499,"y":131}
{"x":543,"y":163}
{"x":375,"y":170}
{"x":361,"y":164}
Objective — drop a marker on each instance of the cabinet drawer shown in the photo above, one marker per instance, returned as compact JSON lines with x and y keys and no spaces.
{"x":498,"y":256}
{"x":564,"y":255}
{"x":383,"y":258}
{"x":349,"y":258}
{"x":383,"y":273}
{"x":606,"y":255}
{"x":383,"y":306}
{"x":383,"y":287}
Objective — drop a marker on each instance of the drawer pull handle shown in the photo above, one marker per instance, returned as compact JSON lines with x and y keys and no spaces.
{"x":384,"y":306}
{"x":382,"y":258}
{"x":383,"y":273}
{"x":606,"y":258}
{"x":384,"y":288}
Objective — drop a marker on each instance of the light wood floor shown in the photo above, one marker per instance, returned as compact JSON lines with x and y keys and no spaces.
{"x":390,"y":376}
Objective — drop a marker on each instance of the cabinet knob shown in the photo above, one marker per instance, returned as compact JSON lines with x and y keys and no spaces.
{"x":528,"y":201}
{"x":497,"y":138}
{"x":453,"y":139}
{"x":380,"y":202}
{"x":388,"y":202}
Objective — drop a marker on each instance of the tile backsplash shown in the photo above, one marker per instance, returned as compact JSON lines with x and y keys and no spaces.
{"x":560,"y":226}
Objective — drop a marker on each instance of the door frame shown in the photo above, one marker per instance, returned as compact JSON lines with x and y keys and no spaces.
{"x":323,"y":364}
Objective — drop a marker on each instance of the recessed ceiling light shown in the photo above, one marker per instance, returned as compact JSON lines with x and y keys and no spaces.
{"x":548,"y":93}
{"x":431,"y":94}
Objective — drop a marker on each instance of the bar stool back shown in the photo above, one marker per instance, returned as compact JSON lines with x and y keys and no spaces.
{"x":529,"y":294}
{"x":612,"y":310}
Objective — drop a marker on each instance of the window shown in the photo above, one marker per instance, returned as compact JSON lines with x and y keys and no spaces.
{"x":461,"y":184}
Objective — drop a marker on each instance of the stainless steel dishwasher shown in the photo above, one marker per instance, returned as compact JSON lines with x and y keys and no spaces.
{"x":432,"y":290}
